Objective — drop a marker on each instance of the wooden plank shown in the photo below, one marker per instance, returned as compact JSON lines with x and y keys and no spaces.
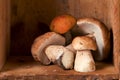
{"x":91,"y":8}
{"x":115,"y":22}
{"x":4,"y":30}
{"x":26,"y":67}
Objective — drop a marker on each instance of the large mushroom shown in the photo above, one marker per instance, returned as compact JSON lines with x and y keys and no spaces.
{"x":84,"y":61}
{"x":99,"y":31}
{"x":41,"y":42}
{"x":62,"y":24}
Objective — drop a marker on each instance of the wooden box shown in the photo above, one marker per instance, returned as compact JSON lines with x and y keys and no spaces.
{"x":31,"y":18}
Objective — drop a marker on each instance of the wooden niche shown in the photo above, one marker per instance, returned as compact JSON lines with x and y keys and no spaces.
{"x":31,"y":18}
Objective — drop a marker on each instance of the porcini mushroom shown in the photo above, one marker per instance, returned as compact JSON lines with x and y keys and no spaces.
{"x":60,"y":55}
{"x":70,"y":47}
{"x":41,"y":42}
{"x":99,"y":31}
{"x":62,"y":24}
{"x":84,"y":61}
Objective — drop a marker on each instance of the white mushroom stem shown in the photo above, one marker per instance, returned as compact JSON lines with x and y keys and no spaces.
{"x":60,"y":55}
{"x":54,"y":52}
{"x":84,"y":62}
{"x":67,"y":59}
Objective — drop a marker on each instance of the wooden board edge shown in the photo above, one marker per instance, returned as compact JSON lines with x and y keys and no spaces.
{"x":115,"y":20}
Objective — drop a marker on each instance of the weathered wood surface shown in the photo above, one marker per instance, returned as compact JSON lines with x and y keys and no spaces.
{"x":4,"y":30}
{"x":115,"y":22}
{"x":26,"y":68}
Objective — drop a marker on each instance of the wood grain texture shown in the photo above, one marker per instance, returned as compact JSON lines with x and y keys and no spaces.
{"x":4,"y":30}
{"x":115,"y":22}
{"x":30,"y":18}
{"x":93,"y":8}
{"x":23,"y":68}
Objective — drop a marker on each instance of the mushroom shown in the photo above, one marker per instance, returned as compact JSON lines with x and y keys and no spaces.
{"x":41,"y":42}
{"x":62,"y":24}
{"x":84,"y":61}
{"x":60,"y":55}
{"x":70,"y":47}
{"x":66,"y":61}
{"x":99,"y":31}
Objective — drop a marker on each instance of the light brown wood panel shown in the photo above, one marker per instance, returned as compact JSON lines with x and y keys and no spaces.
{"x":25,"y":67}
{"x":33,"y":11}
{"x":91,"y":8}
{"x":115,"y":22}
{"x":4,"y":30}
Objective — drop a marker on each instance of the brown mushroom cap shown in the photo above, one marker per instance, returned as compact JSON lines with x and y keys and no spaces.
{"x":41,"y":42}
{"x":84,"y":43}
{"x":63,"y":23}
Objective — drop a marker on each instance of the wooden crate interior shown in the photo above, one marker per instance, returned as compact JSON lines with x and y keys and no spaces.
{"x":31,"y":18}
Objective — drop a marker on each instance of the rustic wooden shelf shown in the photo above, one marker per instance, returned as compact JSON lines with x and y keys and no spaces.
{"x":22,"y":67}
{"x":28,"y":19}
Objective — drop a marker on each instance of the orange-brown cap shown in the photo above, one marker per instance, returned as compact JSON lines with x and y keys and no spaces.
{"x":63,"y":23}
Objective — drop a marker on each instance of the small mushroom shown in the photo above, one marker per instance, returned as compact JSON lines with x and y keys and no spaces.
{"x":62,"y":24}
{"x":84,"y":61}
{"x":41,"y":42}
{"x":60,"y":55}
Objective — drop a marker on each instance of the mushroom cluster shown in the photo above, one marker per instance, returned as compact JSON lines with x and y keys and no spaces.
{"x":73,"y":44}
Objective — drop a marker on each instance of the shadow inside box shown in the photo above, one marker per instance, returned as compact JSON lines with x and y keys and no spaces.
{"x":20,"y":62}
{"x":103,"y":65}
